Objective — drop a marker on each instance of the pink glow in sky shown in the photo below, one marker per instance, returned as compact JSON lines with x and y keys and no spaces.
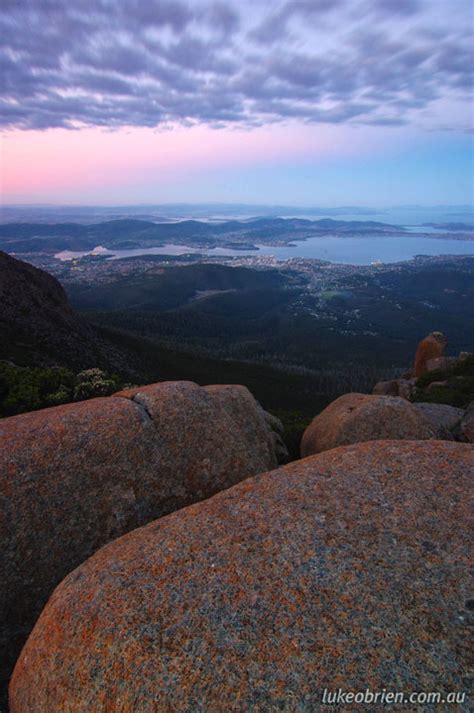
{"x":73,"y":164}
{"x":118,"y":101}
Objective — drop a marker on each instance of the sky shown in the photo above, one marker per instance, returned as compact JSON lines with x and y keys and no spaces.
{"x":302,"y":102}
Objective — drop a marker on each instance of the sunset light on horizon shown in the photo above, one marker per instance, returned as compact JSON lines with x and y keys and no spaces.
{"x":367,"y":101}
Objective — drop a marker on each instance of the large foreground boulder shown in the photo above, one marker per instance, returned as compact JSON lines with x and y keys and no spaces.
{"x":74,"y":477}
{"x":353,"y":418}
{"x":345,"y":570}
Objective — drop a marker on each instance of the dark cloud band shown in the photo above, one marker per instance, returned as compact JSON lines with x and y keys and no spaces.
{"x":131,"y":62}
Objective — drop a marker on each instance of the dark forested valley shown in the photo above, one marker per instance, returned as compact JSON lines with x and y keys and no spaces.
{"x":298,"y":334}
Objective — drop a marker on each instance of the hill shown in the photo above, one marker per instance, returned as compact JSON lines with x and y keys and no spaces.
{"x":44,"y":343}
{"x":37,"y":325}
{"x":39,"y":328}
{"x":131,"y":233}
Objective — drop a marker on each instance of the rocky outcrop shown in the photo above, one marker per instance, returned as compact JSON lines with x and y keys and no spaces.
{"x":405,"y":388}
{"x":466,"y":427}
{"x":431,"y":347}
{"x":387,"y":388}
{"x":74,"y":477}
{"x":345,"y":570}
{"x":408,"y":387}
{"x":353,"y":418}
{"x":445,"y":419}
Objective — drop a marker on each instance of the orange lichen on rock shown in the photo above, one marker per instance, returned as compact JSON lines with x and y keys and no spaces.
{"x":75,"y":477}
{"x":347,"y":569}
{"x":353,"y":418}
{"x":431,"y":347}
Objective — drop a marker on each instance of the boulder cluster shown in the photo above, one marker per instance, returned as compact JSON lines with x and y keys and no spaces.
{"x":353,"y":418}
{"x":430,"y":357}
{"x":155,"y":557}
{"x":389,"y":412}
{"x":358,"y":417}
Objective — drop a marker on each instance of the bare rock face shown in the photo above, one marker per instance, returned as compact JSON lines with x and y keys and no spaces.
{"x":441,"y":363}
{"x":405,"y":388}
{"x":466,"y":427}
{"x":75,"y":477}
{"x":445,"y":419}
{"x":277,"y":432}
{"x":431,"y":347}
{"x":386,"y":388}
{"x":353,"y":418}
{"x":345,"y":570}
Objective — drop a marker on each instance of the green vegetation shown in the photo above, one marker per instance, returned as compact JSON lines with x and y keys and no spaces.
{"x":357,"y":322}
{"x":456,"y":387}
{"x":170,"y":288}
{"x":296,"y":340}
{"x":295,"y":424}
{"x":336,"y":295}
{"x":257,"y":315}
{"x":31,"y":388}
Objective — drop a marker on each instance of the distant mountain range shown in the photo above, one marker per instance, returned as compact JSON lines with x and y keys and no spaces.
{"x":130,"y":233}
{"x":461,"y":227}
{"x":166,"y":212}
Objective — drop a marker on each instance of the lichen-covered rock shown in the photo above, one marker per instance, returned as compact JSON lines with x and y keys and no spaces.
{"x":74,"y":477}
{"x":345,"y":570}
{"x":445,"y":419}
{"x":466,"y":427}
{"x":353,"y":418}
{"x":431,"y":347}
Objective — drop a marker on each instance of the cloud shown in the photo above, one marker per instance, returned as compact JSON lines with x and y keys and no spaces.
{"x":135,"y":63}
{"x":222,"y":16}
{"x":398,"y":7}
{"x":276,"y":25}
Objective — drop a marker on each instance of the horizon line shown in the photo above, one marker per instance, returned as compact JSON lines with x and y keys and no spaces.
{"x":237,"y":203}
